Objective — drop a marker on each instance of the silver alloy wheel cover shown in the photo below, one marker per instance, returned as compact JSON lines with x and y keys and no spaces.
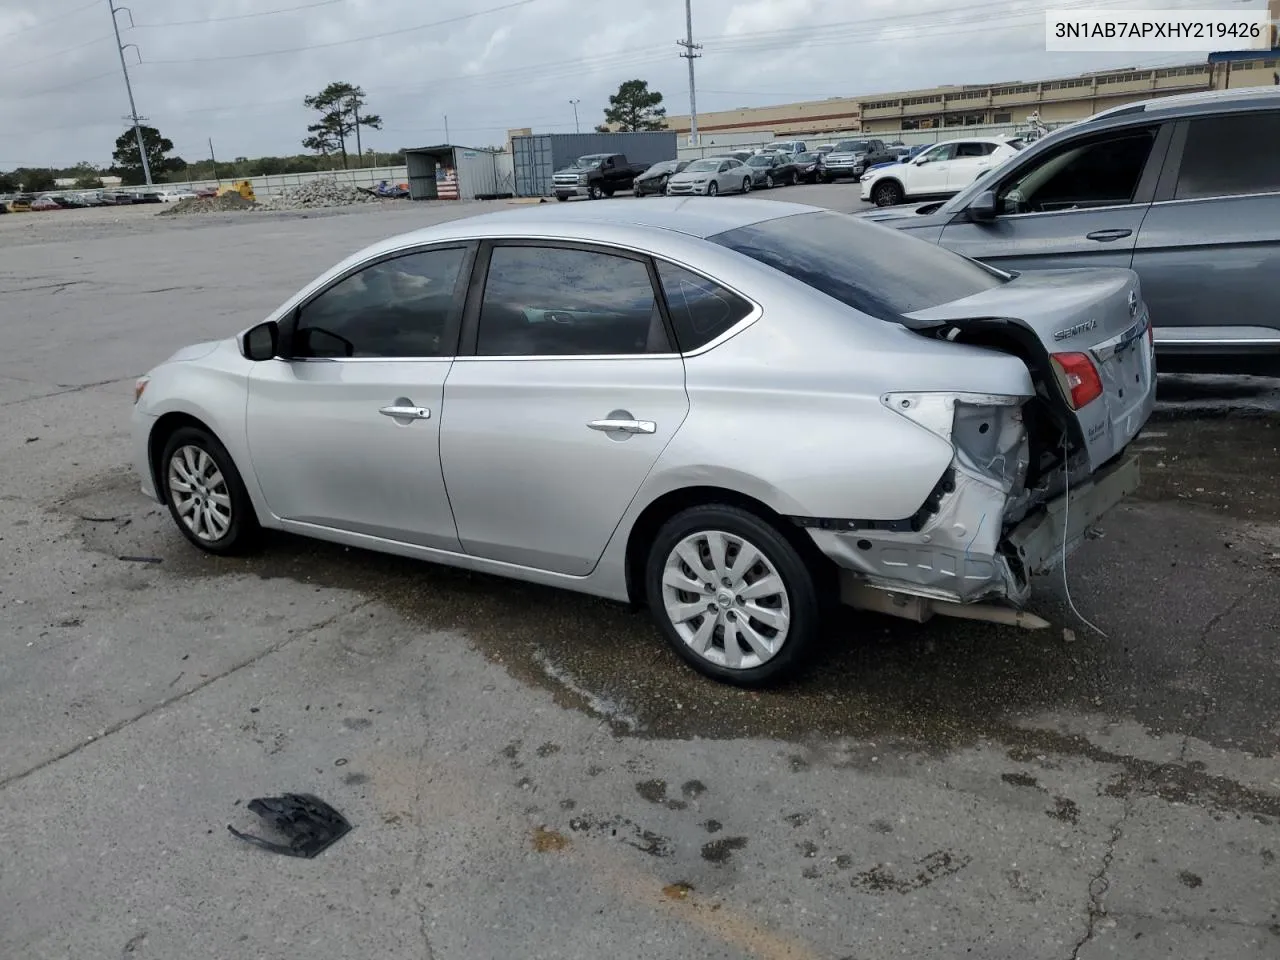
{"x":718,"y":588}
{"x":199,"y":493}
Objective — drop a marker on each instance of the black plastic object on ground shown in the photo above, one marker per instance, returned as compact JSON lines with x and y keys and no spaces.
{"x":310,"y":824}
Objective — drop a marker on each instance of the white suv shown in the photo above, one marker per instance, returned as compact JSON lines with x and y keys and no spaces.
{"x":944,"y":169}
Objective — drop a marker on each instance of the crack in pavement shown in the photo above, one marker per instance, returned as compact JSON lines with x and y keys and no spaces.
{"x":156,"y":707}
{"x":1099,"y":884}
{"x":66,"y":390}
{"x":1197,"y":664}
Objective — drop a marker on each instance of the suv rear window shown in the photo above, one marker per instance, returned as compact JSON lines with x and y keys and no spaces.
{"x":880,"y":271}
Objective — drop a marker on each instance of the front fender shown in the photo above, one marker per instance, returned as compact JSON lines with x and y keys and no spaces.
{"x":213,"y":391}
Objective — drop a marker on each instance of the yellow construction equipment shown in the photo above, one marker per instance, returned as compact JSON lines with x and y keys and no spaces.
{"x":243,"y":187}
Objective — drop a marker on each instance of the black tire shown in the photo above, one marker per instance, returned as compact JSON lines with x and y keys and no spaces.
{"x":799,"y":585}
{"x":795,"y":178}
{"x":746,"y":184}
{"x":887,"y":193}
{"x":768,"y":181}
{"x":594,"y":192}
{"x":243,"y":532}
{"x":712,"y":189}
{"x":560,"y":198}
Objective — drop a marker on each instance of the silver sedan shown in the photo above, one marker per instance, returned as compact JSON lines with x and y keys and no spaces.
{"x":735,"y":413}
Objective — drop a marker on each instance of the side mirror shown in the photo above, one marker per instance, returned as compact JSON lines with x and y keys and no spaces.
{"x":983,"y":207}
{"x":261,"y":342}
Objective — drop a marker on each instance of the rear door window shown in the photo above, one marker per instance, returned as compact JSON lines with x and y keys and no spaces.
{"x":1233,"y":155}
{"x":882,"y":272}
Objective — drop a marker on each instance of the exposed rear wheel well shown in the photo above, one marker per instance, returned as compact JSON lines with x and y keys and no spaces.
{"x":165,"y":428}
{"x":668,"y":505}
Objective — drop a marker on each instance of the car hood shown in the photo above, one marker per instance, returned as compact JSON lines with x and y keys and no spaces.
{"x":918,"y":215}
{"x":197,"y":351}
{"x":686,"y":177}
{"x":574,"y":170}
{"x":658,"y":175}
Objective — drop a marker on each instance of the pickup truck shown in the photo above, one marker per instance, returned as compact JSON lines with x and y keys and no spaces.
{"x":851,"y":158}
{"x":594,"y":176}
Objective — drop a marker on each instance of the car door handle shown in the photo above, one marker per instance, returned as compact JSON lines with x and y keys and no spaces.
{"x":624,"y":426}
{"x":406,"y":413}
{"x":1106,"y":236}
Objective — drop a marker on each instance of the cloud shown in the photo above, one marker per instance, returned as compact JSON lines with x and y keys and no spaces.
{"x":236,"y":70}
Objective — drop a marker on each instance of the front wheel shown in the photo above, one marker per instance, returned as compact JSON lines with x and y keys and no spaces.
{"x":768,"y":181}
{"x":712,"y":189}
{"x":731,"y":594}
{"x":795,"y":178}
{"x":746,"y":185}
{"x":560,"y":198}
{"x":206,"y":497}
{"x":886,"y":194}
{"x":594,"y":192}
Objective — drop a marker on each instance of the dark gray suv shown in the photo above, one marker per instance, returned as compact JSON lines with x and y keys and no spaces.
{"x":1185,"y":190}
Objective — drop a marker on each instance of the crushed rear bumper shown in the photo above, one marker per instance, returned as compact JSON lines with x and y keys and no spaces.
{"x":963,"y":554}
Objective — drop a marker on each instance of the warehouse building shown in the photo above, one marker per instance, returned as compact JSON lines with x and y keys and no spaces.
{"x":1054,"y":101}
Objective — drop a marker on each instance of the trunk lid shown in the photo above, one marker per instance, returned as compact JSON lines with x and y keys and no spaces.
{"x":1082,"y":331}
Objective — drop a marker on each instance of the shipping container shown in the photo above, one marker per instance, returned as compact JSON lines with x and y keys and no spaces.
{"x":448,"y":172}
{"x":537,"y":157}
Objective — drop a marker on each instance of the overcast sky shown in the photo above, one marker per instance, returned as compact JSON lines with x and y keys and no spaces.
{"x":237,"y":70}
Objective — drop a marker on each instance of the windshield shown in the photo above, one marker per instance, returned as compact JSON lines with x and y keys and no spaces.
{"x":761,"y":160}
{"x":702,"y":166}
{"x":806,"y":157}
{"x":590,"y":160}
{"x":877,"y":270}
{"x":852,"y":146}
{"x":663,"y":166}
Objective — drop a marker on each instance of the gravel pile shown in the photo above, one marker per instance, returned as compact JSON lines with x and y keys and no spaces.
{"x":321,"y":192}
{"x":228,"y":201}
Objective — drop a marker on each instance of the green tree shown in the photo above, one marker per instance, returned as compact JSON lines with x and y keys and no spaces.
{"x":8,"y":183}
{"x":635,"y":107}
{"x":340,"y":106}
{"x":86,"y":175}
{"x":128,"y":165}
{"x":33,"y":180}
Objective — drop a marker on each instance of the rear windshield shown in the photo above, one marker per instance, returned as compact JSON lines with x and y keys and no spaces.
{"x":878,"y":270}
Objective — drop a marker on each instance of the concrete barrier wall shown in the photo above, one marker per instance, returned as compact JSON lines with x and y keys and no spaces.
{"x":264,"y":187}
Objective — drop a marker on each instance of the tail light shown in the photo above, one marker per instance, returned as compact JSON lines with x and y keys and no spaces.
{"x":1078,"y":378}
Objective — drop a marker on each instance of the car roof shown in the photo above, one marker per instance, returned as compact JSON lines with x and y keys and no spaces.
{"x":1190,"y":104}
{"x":699,"y":217}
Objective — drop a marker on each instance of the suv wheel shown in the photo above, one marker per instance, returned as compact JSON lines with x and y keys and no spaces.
{"x":731,"y":594}
{"x":887,"y":193}
{"x":594,"y":192}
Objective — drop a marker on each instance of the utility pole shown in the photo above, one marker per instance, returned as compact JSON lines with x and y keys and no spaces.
{"x":690,"y":53}
{"x":355,"y":116}
{"x":574,"y":104}
{"x":133,"y":109}
{"x":214,"y":161}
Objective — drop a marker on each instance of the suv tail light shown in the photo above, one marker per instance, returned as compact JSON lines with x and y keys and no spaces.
{"x":1078,"y":378}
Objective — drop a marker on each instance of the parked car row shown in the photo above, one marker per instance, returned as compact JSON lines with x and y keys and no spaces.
{"x":81,"y":199}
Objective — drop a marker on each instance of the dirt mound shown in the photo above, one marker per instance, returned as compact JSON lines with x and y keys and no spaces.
{"x":228,"y":201}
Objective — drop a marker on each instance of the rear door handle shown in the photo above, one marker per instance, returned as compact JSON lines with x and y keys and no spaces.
{"x":624,"y":426}
{"x":406,"y":413}
{"x":1106,"y":236}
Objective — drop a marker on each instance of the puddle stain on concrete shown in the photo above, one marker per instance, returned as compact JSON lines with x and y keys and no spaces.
{"x":882,"y":879}
{"x":933,"y":688}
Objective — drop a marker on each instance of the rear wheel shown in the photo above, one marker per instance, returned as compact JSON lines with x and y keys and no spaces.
{"x":886,"y":194}
{"x":733,"y":597}
{"x":207,"y":498}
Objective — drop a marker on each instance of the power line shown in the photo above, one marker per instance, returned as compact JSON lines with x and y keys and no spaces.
{"x":350,"y":40}
{"x":238,"y":16}
{"x":69,"y":86}
{"x":44,"y":23}
{"x":56,"y":53}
